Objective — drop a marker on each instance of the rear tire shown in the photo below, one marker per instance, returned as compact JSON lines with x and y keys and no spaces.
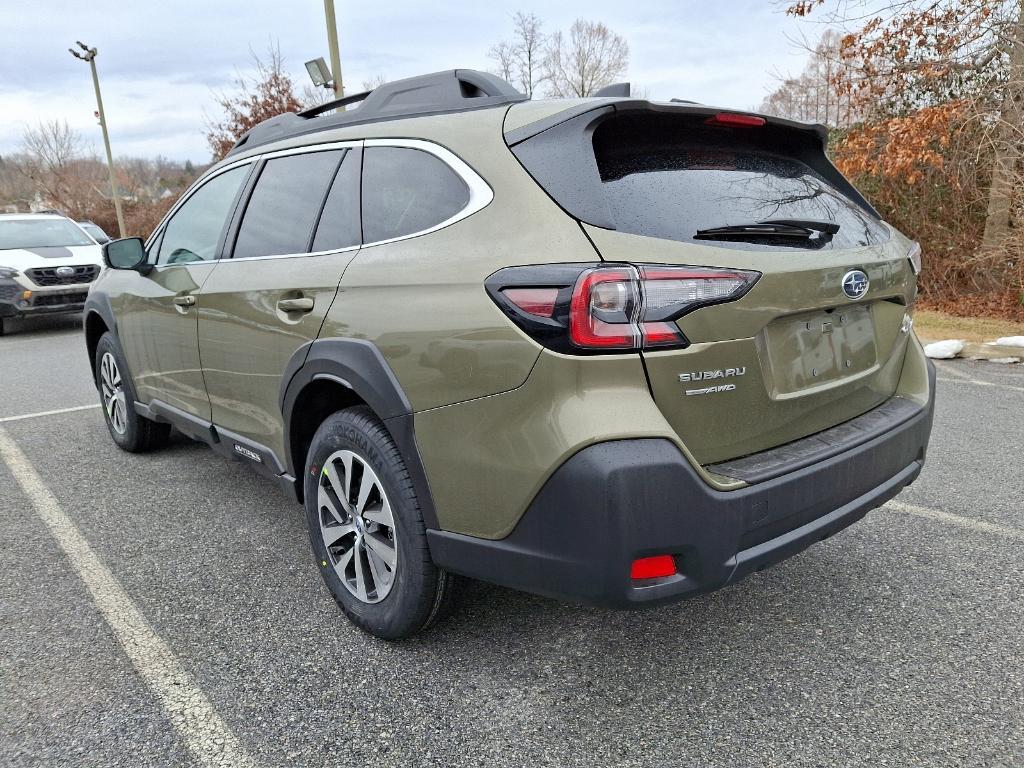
{"x":131,"y":432}
{"x":366,"y":529}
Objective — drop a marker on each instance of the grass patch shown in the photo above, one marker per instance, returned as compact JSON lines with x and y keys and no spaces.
{"x":935,"y":326}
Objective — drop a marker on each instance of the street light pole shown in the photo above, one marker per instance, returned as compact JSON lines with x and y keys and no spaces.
{"x":90,"y":56}
{"x":332,"y":44}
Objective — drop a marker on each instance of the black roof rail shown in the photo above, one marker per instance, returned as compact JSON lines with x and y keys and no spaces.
{"x":454,"y":90}
{"x":327,"y":106}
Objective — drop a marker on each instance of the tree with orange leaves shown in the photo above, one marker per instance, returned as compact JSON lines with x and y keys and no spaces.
{"x":930,"y":66}
{"x":268,"y":93}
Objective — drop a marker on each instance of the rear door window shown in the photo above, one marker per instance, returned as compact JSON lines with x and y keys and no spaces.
{"x":285,"y":204}
{"x":407,"y":190}
{"x":670,"y":179}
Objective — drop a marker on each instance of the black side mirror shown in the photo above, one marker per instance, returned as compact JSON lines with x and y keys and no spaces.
{"x":127,"y":253}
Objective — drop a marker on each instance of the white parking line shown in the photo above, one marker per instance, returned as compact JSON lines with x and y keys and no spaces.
{"x":970,"y":523}
{"x":4,"y":419}
{"x":978,"y":383}
{"x":963,"y":378}
{"x":190,"y":712}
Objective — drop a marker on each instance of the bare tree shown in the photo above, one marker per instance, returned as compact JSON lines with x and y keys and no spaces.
{"x":315,"y":95}
{"x":520,"y":60}
{"x":817,"y":93}
{"x":1008,"y":136}
{"x":374,"y":82}
{"x":591,"y":57}
{"x":53,"y":159}
{"x":528,"y":51}
{"x":257,"y":98}
{"x":503,"y":55}
{"x":16,"y":188}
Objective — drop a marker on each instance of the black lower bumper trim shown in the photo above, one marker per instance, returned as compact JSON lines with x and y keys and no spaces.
{"x":16,"y":311}
{"x":614,"y":502}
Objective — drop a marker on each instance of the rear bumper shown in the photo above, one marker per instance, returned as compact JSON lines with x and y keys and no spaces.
{"x":617,"y":501}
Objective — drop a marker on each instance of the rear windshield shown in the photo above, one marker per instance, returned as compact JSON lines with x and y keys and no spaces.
{"x":670,"y":178}
{"x":40,"y":233}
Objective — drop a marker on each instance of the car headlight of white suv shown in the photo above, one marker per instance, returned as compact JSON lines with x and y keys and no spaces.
{"x":8,"y":273}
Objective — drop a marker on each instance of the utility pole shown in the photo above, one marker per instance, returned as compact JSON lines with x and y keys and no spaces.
{"x":332,"y":43}
{"x":90,"y":56}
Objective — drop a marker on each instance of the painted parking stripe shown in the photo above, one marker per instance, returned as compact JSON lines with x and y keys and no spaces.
{"x":190,"y":712}
{"x":971,"y":523}
{"x":979,"y":383}
{"x":5,"y":419}
{"x":962,"y":378}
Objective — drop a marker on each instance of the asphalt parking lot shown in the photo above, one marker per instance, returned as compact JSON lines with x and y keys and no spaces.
{"x":183,"y":621}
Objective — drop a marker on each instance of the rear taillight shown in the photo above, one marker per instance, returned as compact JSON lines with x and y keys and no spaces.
{"x":914,"y":254}
{"x":583,"y":308}
{"x":533,"y":301}
{"x":603,"y":309}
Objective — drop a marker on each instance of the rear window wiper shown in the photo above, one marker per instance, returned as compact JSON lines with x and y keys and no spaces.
{"x":786,"y":229}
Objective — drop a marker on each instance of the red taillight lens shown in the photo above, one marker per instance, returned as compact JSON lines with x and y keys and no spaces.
{"x":533,"y":301}
{"x":602,"y":313}
{"x":627,"y":307}
{"x":653,"y":567}
{"x":581,"y":308}
{"x":735,"y":120}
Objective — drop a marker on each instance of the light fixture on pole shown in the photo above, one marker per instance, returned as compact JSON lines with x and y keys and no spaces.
{"x":90,"y":56}
{"x":319,"y":73}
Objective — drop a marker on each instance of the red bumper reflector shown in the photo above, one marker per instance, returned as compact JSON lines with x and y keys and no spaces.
{"x":653,"y":567}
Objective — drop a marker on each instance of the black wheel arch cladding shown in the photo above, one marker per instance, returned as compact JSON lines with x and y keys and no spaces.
{"x":359,"y":366}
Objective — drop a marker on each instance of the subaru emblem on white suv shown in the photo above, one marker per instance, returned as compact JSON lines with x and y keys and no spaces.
{"x":855,"y":284}
{"x":65,"y":271}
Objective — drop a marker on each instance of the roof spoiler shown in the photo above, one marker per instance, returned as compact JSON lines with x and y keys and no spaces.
{"x":676,"y":106}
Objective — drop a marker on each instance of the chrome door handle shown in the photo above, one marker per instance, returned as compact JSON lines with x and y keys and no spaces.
{"x":184,"y":301}
{"x":295,"y":305}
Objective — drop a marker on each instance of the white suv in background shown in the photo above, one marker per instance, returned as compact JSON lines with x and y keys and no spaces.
{"x":47,"y":262}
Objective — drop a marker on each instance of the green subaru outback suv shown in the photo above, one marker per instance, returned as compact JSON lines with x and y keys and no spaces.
{"x":601,"y":349}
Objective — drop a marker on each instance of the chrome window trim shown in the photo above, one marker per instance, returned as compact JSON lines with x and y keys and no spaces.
{"x":289,"y":255}
{"x":480,"y":192}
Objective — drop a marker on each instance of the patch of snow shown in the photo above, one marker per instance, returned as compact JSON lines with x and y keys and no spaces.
{"x":1004,"y":360}
{"x":944,"y":350}
{"x":1009,"y":341}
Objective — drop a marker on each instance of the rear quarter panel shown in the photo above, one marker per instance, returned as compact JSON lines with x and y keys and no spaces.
{"x":422,"y":300}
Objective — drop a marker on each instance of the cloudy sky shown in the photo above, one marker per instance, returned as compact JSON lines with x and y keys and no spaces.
{"x":161,"y":63}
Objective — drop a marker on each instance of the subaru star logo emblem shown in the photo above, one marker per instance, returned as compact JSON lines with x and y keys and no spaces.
{"x":65,"y":271}
{"x":855,"y":284}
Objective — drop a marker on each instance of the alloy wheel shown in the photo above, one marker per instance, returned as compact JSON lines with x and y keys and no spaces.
{"x":112,"y":390}
{"x":357,"y":526}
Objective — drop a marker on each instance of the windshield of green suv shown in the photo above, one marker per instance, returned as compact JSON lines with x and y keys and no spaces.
{"x":686,"y":181}
{"x":40,"y":233}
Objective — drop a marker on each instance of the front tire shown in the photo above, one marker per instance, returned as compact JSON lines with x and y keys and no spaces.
{"x":366,"y":529}
{"x":131,"y":432}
